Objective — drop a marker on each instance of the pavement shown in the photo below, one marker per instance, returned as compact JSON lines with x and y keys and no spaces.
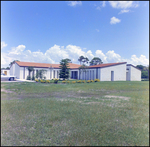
{"x":19,"y":80}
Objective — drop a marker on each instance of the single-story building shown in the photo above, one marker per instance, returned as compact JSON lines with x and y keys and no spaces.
{"x":5,"y":71}
{"x":120,"y":71}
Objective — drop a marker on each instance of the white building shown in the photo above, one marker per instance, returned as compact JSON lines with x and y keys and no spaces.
{"x":5,"y":71}
{"x":105,"y":72}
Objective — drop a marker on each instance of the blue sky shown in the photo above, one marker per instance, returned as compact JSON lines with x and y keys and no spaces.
{"x":47,"y":31}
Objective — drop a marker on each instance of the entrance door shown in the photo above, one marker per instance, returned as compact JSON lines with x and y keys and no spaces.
{"x":112,"y":75}
{"x":5,"y":72}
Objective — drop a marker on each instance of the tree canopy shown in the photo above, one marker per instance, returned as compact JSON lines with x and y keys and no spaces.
{"x":12,"y":62}
{"x":96,"y":61}
{"x":144,"y":71}
{"x":64,"y":71}
{"x":30,"y":68}
{"x":83,"y":60}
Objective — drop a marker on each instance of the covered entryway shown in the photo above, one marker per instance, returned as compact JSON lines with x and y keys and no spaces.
{"x":74,"y":74}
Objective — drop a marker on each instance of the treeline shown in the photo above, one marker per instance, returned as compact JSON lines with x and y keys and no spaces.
{"x":144,"y":71}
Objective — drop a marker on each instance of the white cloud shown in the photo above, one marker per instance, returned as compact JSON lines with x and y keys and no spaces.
{"x":114,"y":20}
{"x":112,"y":56}
{"x":101,"y":55}
{"x":55,"y":53}
{"x":103,"y":4}
{"x":3,"y":44}
{"x":124,"y":11}
{"x":17,"y":50}
{"x":74,"y":3}
{"x":141,"y":60}
{"x":123,"y":4}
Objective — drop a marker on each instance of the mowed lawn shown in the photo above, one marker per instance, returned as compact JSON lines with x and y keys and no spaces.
{"x":102,"y":113}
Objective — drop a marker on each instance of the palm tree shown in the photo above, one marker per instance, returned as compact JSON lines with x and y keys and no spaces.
{"x":81,"y":59}
{"x":30,"y":69}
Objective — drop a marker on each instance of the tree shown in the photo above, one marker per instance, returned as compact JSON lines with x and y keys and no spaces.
{"x":81,"y":59}
{"x":145,"y":74}
{"x":85,"y":60}
{"x":141,"y":67}
{"x":7,"y":68}
{"x":64,"y":71}
{"x":40,"y":73}
{"x":96,"y":61}
{"x":83,"y":68}
{"x":144,"y":71}
{"x":69,"y":60}
{"x":30,"y":68}
{"x":12,"y":62}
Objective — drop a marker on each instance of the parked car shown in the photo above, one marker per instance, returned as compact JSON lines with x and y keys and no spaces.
{"x":7,"y":78}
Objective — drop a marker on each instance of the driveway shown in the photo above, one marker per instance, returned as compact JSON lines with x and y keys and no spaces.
{"x":19,"y":80}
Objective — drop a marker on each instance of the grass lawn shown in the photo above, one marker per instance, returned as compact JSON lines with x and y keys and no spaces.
{"x":102,"y":113}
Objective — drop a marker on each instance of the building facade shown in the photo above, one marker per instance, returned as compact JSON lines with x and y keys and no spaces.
{"x":104,"y":72}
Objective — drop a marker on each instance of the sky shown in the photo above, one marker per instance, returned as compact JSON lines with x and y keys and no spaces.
{"x":48,"y":31}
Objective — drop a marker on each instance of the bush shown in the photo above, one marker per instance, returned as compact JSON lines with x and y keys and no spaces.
{"x":73,"y":81}
{"x":83,"y":81}
{"x":28,"y":78}
{"x":64,"y":82}
{"x":42,"y":81}
{"x":68,"y":82}
{"x":96,"y":80}
{"x":56,"y":81}
{"x":88,"y":81}
{"x":36,"y":80}
{"x":47,"y":81}
{"x":79,"y":81}
{"x":92,"y":81}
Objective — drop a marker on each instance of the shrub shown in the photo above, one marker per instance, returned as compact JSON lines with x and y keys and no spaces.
{"x":68,"y":82}
{"x":56,"y":81}
{"x":96,"y":80}
{"x":47,"y":81}
{"x":36,"y":80}
{"x":42,"y":81}
{"x":28,"y":78}
{"x":92,"y":81}
{"x":79,"y":81}
{"x":73,"y":81}
{"x":83,"y":81}
{"x":64,"y":82}
{"x":88,"y":81}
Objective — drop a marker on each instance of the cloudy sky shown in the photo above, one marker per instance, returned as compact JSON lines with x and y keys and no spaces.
{"x":48,"y":31}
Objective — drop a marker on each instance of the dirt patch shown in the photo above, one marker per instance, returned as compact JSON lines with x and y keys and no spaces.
{"x":7,"y":91}
{"x":121,"y":97}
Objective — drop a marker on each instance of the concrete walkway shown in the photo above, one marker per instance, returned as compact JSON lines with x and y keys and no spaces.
{"x":19,"y":80}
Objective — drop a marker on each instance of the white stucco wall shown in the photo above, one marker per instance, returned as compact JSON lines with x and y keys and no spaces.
{"x":119,"y":73}
{"x":12,"y":69}
{"x":21,"y":72}
{"x":134,"y":73}
{"x":17,"y":71}
{"x":7,"y":70}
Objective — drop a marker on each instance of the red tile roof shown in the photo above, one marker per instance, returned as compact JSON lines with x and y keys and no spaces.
{"x":45,"y":65}
{"x":71,"y":65}
{"x":107,"y":64}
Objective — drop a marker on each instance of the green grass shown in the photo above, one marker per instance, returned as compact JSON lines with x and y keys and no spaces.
{"x":75,"y":114}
